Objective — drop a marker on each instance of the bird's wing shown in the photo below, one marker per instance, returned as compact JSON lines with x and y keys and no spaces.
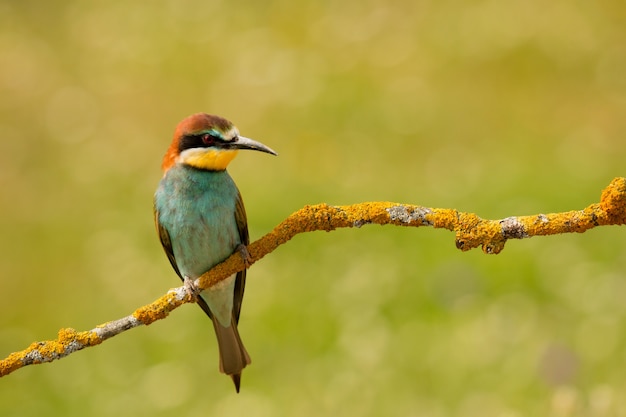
{"x":164,"y":236}
{"x":240,"y":282}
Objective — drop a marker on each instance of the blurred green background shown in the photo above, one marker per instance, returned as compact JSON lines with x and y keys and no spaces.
{"x":498,"y":108}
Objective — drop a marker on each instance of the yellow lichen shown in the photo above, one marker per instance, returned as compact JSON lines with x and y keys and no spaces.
{"x":471,"y":232}
{"x":158,"y":309}
{"x":613,"y":201}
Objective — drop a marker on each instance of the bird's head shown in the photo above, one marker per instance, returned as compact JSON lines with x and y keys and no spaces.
{"x":207,"y":142}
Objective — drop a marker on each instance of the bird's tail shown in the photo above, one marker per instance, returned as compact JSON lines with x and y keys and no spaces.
{"x":233,"y":356}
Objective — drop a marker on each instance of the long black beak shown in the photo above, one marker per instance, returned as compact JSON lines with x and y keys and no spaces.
{"x":246,"y":143}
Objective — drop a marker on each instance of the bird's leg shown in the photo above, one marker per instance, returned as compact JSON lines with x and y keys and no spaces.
{"x":245,"y":255}
{"x":190,"y":288}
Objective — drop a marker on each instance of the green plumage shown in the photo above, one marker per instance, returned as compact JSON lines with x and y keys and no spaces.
{"x":197,"y":208}
{"x":201,"y":220}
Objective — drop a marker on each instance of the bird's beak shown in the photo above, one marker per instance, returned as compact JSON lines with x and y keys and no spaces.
{"x":247,"y":143}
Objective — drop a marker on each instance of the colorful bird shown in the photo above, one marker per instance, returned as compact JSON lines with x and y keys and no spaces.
{"x":201,"y":221}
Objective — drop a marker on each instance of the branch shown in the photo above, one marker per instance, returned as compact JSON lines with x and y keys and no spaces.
{"x":471,"y":232}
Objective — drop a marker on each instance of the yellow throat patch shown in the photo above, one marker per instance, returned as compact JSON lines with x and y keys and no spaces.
{"x":209,"y":159}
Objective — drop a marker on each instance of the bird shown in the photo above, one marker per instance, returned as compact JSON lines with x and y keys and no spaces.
{"x":201,"y":220}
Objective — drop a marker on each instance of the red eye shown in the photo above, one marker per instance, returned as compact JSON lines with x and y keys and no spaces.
{"x":208,"y":139}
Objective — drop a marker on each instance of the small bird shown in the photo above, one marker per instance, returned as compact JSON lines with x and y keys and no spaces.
{"x":201,"y":220}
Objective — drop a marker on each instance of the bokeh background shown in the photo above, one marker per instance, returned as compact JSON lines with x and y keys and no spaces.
{"x":495,"y":107}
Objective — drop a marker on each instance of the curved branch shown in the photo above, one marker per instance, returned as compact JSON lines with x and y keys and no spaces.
{"x":471,"y":232}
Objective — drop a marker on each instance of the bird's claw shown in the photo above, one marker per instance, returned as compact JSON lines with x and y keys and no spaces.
{"x":245,"y":255}
{"x":190,"y":288}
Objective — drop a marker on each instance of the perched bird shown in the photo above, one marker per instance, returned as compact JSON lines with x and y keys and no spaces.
{"x":201,"y":221}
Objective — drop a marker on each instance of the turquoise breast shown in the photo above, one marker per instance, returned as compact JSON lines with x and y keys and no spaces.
{"x":197,"y":208}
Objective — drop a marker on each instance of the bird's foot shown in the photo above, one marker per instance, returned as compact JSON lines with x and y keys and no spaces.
{"x":190,"y":288}
{"x":245,"y":255}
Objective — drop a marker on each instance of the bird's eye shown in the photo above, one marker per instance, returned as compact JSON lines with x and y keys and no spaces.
{"x":208,"y":139}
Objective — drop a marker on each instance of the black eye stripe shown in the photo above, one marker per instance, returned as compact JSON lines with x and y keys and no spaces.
{"x":198,"y":141}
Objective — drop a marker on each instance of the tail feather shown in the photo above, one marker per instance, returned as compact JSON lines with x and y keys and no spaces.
{"x":233,"y":355}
